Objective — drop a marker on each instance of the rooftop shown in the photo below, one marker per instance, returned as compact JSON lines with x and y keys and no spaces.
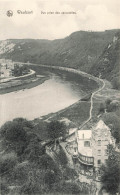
{"x":101,"y":125}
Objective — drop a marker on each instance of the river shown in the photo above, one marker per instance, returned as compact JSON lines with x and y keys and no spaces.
{"x":51,"y":96}
{"x":58,"y":92}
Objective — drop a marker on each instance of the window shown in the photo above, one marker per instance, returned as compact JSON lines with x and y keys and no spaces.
{"x":99,"y":162}
{"x":99,"y":142}
{"x":99,"y":152}
{"x":86,"y":144}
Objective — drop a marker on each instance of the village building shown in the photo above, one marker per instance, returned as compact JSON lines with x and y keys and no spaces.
{"x":5,"y":73}
{"x":101,"y":138}
{"x":91,"y":147}
{"x":6,"y":68}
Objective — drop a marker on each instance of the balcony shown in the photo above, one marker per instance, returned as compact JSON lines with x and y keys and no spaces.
{"x":86,"y":160}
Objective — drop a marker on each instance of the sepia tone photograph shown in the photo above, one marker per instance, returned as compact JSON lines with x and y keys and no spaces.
{"x":59,"y":97}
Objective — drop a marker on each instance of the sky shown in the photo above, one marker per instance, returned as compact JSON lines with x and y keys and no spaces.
{"x":90,"y":15}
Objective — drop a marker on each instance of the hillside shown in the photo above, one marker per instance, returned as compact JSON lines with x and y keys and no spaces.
{"x":93,"y":52}
{"x":108,"y":64}
{"x":79,"y":50}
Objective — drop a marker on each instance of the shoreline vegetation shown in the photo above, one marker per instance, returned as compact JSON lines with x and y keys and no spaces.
{"x":16,"y":85}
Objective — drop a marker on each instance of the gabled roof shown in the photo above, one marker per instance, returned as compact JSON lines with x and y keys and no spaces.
{"x":101,"y":130}
{"x":101,"y":125}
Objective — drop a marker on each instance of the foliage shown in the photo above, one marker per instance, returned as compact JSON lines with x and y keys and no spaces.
{"x":108,"y":101}
{"x":69,"y":188}
{"x":56,"y":129}
{"x":4,"y":188}
{"x":15,"y":136}
{"x":33,"y":152}
{"x":112,"y":106}
{"x":69,"y":173}
{"x":40,"y":129}
{"x":20,"y":70}
{"x":20,"y":173}
{"x":112,"y":120}
{"x":29,"y":167}
{"x":50,"y":178}
{"x":116,"y":83}
{"x":39,"y":181}
{"x":108,"y":62}
{"x":111,"y":172}
{"x":102,"y":107}
{"x":7,"y":163}
{"x":61,"y":156}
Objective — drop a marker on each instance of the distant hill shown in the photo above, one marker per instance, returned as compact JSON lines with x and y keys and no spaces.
{"x":107,"y":65}
{"x":80,"y":50}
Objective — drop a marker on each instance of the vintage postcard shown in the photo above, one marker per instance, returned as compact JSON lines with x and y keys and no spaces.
{"x":59,"y":97}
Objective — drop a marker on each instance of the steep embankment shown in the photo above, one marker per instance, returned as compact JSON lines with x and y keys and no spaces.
{"x":79,"y":50}
{"x":108,"y":64}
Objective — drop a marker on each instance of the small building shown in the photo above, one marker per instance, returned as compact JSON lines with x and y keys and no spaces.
{"x":92,"y":145}
{"x":101,"y":138}
{"x":5,"y":73}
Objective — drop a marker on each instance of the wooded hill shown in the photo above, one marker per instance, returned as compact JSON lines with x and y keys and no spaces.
{"x":84,"y":50}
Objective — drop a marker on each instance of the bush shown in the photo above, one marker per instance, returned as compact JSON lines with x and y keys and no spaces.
{"x":4,"y":188}
{"x":7,"y":163}
{"x":102,"y":107}
{"x":68,"y":188}
{"x":69,"y":173}
{"x":62,"y":158}
{"x":112,"y":120}
{"x":110,"y":172}
{"x":20,"y":173}
{"x":34,"y":150}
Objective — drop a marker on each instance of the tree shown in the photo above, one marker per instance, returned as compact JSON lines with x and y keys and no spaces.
{"x":111,"y":172}
{"x":15,"y":136}
{"x":50,"y":178}
{"x":108,"y":101}
{"x":102,"y":107}
{"x":112,"y":120}
{"x":62,"y":158}
{"x":70,"y":188}
{"x":34,"y":150}
{"x":7,"y":163}
{"x":56,"y":129}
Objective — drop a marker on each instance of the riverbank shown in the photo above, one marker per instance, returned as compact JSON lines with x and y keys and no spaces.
{"x":22,"y":85}
{"x":78,"y":114}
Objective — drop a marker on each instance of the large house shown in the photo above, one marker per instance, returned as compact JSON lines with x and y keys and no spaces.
{"x":91,"y":148}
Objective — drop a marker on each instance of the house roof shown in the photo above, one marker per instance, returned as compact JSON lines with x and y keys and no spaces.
{"x":101,"y":130}
{"x":101,"y":125}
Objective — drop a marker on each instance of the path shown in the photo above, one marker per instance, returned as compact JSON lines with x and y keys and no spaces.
{"x":98,"y":80}
{"x":91,"y":107}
